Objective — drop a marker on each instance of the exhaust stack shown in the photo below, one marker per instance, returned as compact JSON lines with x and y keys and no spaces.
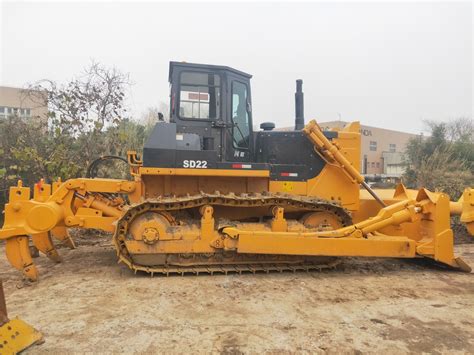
{"x":299,"y":105}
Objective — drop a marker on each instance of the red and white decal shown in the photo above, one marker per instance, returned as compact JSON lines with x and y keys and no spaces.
{"x":241,"y":166}
{"x":289,"y":174}
{"x":200,"y":96}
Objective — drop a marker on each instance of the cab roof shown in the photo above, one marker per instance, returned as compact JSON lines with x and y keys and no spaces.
{"x":206,"y":67}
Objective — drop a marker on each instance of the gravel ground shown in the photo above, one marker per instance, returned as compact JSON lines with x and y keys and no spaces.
{"x":91,"y":304}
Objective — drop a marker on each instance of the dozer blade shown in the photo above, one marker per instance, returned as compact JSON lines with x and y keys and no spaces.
{"x":43,"y":242}
{"x":18,"y":254}
{"x":62,"y":234}
{"x":17,"y":335}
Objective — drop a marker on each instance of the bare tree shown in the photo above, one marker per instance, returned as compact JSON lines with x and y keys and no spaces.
{"x":151,"y":115}
{"x":87,"y":103}
{"x":461,"y":129}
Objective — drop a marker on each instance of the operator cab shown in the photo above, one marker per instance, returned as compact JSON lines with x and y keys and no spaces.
{"x":214,"y":102}
{"x":211,"y":127}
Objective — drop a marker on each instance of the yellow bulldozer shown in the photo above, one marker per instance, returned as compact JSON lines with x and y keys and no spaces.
{"x":211,"y":195}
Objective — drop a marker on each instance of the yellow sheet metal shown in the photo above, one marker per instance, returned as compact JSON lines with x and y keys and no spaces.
{"x":16,"y":335}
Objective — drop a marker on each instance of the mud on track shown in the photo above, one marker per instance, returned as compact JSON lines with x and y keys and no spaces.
{"x":91,"y":304}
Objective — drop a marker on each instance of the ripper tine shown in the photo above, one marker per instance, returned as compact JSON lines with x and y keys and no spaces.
{"x":43,"y":242}
{"x":19,"y":256}
{"x":62,"y":235}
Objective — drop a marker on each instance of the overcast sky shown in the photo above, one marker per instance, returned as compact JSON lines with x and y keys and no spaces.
{"x":389,"y":65}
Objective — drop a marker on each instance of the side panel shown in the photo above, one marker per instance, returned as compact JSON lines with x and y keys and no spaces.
{"x":289,"y":152}
{"x":322,"y":180}
{"x":168,"y":148}
{"x":159,"y":185}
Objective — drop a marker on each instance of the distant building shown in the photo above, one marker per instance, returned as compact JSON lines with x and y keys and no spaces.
{"x":23,"y":103}
{"x":381,"y":149}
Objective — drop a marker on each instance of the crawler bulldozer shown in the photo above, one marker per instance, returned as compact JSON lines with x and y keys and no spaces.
{"x":209,"y":194}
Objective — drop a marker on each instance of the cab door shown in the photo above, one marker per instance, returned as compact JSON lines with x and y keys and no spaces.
{"x":239,"y":140}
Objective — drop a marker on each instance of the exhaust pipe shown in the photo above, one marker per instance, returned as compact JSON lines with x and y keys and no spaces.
{"x":299,"y":105}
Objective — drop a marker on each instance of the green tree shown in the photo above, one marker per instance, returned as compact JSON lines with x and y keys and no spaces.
{"x":443,"y":161}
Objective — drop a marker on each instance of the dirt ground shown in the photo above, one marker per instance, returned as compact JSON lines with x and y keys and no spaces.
{"x":89,"y":303}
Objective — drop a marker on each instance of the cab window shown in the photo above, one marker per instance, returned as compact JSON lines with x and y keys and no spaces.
{"x":199,"y":96}
{"x":240,"y":116}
